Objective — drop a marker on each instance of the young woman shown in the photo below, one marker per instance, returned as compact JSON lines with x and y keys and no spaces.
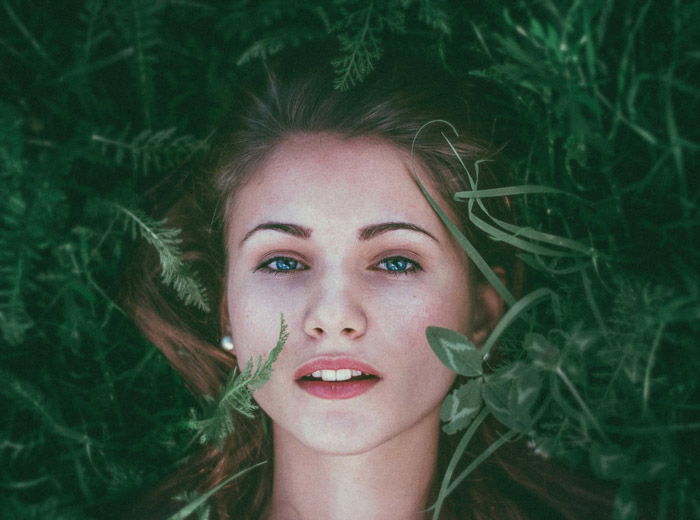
{"x":312,"y":209}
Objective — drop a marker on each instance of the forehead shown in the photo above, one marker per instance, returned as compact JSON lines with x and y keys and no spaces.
{"x":321,"y":176}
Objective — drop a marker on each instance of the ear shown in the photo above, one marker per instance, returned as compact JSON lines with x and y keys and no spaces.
{"x":488,"y":309}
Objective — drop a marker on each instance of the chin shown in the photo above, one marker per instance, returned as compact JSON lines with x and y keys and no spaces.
{"x":340,"y":446}
{"x":340,"y":435}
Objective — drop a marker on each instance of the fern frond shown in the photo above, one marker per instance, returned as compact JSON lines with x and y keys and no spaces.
{"x":29,"y":397}
{"x":275,"y":42}
{"x":360,"y":46}
{"x":140,"y":22}
{"x":149,"y":150}
{"x":14,"y":320}
{"x":434,"y":17}
{"x":236,"y":396}
{"x":166,"y":241}
{"x":189,"y":497}
{"x":94,"y":19}
{"x":14,"y":251}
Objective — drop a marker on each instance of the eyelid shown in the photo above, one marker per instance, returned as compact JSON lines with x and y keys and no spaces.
{"x":415,"y":265}
{"x":408,"y":254}
{"x":264,"y":265}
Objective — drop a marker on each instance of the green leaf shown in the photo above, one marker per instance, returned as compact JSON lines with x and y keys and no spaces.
{"x":150,"y":150}
{"x":511,"y":393}
{"x":461,"y":406}
{"x":11,"y":145}
{"x":236,"y":396}
{"x":455,"y":351}
{"x":625,"y":505}
{"x":445,"y":485}
{"x":361,"y":49}
{"x":609,"y":461}
{"x":506,"y":192}
{"x":544,"y":355}
{"x":464,"y":242}
{"x":518,"y":309}
{"x":175,"y":272}
{"x":199,"y":501}
{"x":649,"y":470}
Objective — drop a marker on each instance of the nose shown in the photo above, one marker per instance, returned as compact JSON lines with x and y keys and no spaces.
{"x":335,"y":309}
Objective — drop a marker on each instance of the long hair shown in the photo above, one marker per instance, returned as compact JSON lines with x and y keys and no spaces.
{"x":405,"y":105}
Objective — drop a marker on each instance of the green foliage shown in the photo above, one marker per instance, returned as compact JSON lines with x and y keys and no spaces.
{"x":236,"y":396}
{"x":606,"y":204}
{"x":461,"y":406}
{"x":358,"y":27}
{"x":149,"y":150}
{"x":100,"y":100}
{"x":455,"y":351}
{"x":174,"y":271}
{"x":197,"y":503}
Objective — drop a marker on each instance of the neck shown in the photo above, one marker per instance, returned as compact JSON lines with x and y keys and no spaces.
{"x":389,"y":482}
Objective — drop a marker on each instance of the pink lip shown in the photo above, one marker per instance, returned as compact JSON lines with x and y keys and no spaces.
{"x":334,"y":363}
{"x":336,"y":389}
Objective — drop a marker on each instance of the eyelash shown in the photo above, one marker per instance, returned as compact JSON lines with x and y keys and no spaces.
{"x":413,"y":266}
{"x":265,"y":266}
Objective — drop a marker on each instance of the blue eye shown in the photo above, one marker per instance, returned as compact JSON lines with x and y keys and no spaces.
{"x":281,"y":265}
{"x":399,"y":265}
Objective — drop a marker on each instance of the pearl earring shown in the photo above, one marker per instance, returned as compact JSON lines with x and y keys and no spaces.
{"x":227,"y":343}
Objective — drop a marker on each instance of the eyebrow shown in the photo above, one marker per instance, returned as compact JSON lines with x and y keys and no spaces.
{"x":366,"y":233}
{"x":290,"y":229}
{"x":371,"y":231}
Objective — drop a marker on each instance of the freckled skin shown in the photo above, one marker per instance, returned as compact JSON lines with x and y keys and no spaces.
{"x":341,"y":299}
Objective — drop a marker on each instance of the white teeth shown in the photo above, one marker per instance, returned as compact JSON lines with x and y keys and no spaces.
{"x":336,"y":375}
{"x":328,"y":375}
{"x":343,"y":374}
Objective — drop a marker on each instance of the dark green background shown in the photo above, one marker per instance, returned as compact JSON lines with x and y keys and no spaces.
{"x":100,"y":100}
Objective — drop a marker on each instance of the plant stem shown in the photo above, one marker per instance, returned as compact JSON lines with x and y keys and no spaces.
{"x":650,"y":365}
{"x":445,"y":485}
{"x":581,"y":402}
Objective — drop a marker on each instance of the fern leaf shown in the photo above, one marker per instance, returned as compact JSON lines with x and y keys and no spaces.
{"x":361,"y":50}
{"x":14,"y":251}
{"x":29,"y":397}
{"x":236,"y":396}
{"x":140,"y":22}
{"x":434,"y":17}
{"x":166,"y":241}
{"x":277,"y":41}
{"x":14,"y":320}
{"x":149,"y":150}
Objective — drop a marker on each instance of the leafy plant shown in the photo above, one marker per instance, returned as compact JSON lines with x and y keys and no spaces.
{"x":584,"y":369}
{"x":236,"y":396}
{"x":174,"y":272}
{"x":149,"y":150}
{"x":101,"y":100}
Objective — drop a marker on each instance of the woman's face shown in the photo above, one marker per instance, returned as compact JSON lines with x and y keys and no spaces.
{"x":336,"y":235}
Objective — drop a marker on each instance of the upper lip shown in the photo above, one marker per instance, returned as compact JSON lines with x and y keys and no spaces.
{"x":334,"y":363}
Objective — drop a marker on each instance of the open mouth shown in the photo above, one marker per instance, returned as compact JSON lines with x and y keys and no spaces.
{"x":343,"y":383}
{"x":338,"y":376}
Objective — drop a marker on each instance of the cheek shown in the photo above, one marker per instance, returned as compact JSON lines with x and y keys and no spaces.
{"x":403,"y":321}
{"x":254,"y":326}
{"x":443,"y":303}
{"x":449,"y":307}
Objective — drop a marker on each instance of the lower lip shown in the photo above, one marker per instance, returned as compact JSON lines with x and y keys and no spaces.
{"x":337,"y":389}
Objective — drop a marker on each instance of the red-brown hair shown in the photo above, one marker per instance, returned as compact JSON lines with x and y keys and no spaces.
{"x":392,"y":105}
